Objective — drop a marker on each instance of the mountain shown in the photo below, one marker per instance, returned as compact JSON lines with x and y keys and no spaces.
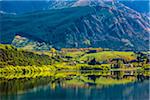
{"x":113,"y":26}
{"x":141,"y":6}
{"x":20,"y":7}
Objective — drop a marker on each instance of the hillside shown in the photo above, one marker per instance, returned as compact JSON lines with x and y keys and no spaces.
{"x":107,"y":56}
{"x":113,"y":26}
{"x":15,"y":57}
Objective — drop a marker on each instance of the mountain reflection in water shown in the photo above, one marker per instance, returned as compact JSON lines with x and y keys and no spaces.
{"x":75,"y":85}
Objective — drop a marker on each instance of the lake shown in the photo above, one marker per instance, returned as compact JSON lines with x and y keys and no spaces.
{"x":75,"y":85}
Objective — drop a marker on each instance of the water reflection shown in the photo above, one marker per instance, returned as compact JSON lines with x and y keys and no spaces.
{"x":93,"y":85}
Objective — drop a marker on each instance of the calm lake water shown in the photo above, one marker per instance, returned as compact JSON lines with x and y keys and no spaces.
{"x":73,"y":85}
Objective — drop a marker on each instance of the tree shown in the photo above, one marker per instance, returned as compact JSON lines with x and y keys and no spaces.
{"x":53,"y":51}
{"x":141,"y":58}
{"x":120,"y":64}
{"x":92,"y":62}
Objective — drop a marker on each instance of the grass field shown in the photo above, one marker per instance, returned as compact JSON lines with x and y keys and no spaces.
{"x":102,"y":56}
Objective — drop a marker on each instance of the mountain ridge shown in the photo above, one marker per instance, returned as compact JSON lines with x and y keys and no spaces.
{"x":114,"y":27}
{"x":20,"y":7}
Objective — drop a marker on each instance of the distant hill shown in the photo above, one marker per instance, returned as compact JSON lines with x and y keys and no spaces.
{"x":112,"y":26}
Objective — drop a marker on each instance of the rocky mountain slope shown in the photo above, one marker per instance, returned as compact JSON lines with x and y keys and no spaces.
{"x":113,"y":26}
{"x":19,"y":6}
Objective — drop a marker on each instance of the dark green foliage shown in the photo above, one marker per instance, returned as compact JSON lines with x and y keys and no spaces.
{"x":11,"y":56}
{"x":93,"y":62}
{"x":142,"y":58}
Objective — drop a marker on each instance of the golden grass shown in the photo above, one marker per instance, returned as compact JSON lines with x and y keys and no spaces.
{"x":74,"y":54}
{"x":107,"y":55}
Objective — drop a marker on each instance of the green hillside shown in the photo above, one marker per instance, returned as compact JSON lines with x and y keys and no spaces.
{"x":109,"y":55}
{"x":12,"y":56}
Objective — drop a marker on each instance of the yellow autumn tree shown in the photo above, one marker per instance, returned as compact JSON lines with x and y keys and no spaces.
{"x":53,"y":51}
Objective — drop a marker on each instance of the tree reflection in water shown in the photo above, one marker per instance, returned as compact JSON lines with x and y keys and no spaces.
{"x":17,"y":84}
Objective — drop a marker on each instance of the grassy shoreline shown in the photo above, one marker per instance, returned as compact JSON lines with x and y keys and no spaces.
{"x":62,"y":67}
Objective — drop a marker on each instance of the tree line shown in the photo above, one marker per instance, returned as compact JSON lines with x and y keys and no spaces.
{"x":13,"y":56}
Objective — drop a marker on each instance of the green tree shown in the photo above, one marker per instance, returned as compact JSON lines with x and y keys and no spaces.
{"x":120,"y":64}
